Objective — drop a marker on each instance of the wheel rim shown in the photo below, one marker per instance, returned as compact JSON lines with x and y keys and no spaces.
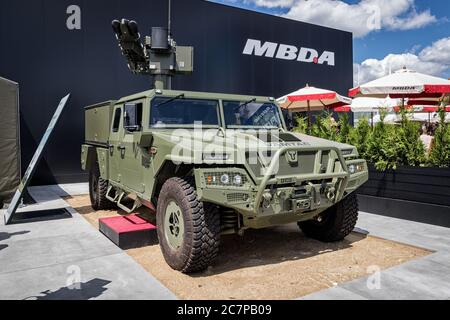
{"x":173,"y":225}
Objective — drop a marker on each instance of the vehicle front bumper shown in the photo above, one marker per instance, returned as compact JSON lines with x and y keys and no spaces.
{"x":271,"y":201}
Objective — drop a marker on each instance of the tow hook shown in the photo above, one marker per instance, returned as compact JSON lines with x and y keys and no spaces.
{"x":267,"y":198}
{"x":331,"y":194}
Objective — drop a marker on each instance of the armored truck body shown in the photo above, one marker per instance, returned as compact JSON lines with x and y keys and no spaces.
{"x":213,"y":164}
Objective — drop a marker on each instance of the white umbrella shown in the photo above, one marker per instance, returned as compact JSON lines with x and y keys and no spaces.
{"x":312,"y":99}
{"x":403,"y":84}
{"x":388,"y":119}
{"x":373,"y":104}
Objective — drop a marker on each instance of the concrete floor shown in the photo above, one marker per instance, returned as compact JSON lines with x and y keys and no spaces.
{"x":39,"y":260}
{"x":424,"y":278}
{"x":66,"y":258}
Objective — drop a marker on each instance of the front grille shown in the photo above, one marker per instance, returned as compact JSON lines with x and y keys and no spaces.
{"x":237,"y":197}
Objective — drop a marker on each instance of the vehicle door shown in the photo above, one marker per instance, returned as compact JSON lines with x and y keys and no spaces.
{"x":131,"y":166}
{"x":115,"y":139}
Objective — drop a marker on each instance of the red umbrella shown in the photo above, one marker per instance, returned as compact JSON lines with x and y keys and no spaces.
{"x":434,"y":109}
{"x":346,"y":108}
{"x":312,"y":99}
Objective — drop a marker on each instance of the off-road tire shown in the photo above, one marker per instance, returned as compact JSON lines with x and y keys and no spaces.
{"x":338,"y":221}
{"x":98,"y":187}
{"x":200,"y":242}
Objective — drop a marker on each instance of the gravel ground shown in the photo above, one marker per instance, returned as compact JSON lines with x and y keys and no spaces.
{"x":275,"y":263}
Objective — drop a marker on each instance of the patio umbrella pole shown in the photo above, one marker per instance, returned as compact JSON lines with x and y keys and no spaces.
{"x":403,"y":112}
{"x":309,"y":117}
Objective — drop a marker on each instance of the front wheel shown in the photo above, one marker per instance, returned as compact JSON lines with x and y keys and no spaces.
{"x":335,"y":223}
{"x":188,"y":229}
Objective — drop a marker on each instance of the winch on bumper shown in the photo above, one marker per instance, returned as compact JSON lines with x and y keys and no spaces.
{"x":297,"y":185}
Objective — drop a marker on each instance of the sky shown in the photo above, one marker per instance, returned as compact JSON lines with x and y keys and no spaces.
{"x":387,"y":34}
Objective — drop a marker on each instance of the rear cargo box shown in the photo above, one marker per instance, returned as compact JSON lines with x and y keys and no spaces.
{"x":98,"y":122}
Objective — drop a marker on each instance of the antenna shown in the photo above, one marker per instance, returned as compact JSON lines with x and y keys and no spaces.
{"x":169,"y":24}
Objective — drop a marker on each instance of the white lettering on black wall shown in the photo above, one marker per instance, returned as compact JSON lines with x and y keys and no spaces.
{"x":74,"y":20}
{"x":287,"y":52}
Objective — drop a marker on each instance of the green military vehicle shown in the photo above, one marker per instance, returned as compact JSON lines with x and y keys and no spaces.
{"x":211,"y":164}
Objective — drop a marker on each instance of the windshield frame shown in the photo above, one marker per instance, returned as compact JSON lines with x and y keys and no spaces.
{"x":184,"y":126}
{"x":249,"y":127}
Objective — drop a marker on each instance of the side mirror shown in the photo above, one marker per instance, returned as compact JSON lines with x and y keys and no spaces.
{"x":132,"y":117}
{"x":145,"y":140}
{"x":288,"y":119}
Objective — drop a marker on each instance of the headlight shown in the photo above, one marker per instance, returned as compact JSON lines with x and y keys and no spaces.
{"x":237,"y":180}
{"x":225,"y":178}
{"x":356,"y":167}
{"x":352,"y":168}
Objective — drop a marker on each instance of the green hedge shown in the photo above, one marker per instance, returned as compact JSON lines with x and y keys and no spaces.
{"x":386,"y":146}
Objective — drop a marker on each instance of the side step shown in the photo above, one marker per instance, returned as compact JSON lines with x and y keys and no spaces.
{"x":129,"y":232}
{"x":118,"y":197}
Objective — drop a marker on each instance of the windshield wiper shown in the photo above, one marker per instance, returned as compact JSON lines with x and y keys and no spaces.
{"x":244,"y":104}
{"x":181,"y":96}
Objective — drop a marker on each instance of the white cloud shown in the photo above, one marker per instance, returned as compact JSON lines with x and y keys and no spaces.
{"x":438,"y":52}
{"x":360,"y":18}
{"x":432,"y":60}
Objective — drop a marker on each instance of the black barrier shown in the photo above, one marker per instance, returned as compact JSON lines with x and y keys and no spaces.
{"x":57,"y":46}
{"x":419,"y":184}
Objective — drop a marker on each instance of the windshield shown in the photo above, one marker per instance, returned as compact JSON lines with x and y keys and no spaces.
{"x":242,"y":114}
{"x":178,"y":111}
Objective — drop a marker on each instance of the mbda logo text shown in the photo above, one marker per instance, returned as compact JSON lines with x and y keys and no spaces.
{"x":287,"y":52}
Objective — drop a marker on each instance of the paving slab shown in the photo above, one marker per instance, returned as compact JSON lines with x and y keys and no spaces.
{"x":114,"y":276}
{"x":410,"y":232}
{"x":335,"y":293}
{"x":424,"y":278}
{"x":43,"y":259}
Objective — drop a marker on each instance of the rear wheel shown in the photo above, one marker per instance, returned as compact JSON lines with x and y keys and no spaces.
{"x":335,"y":223}
{"x":98,"y":187}
{"x":188,"y":229}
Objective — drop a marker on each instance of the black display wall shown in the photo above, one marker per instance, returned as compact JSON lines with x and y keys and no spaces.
{"x":50,"y":52}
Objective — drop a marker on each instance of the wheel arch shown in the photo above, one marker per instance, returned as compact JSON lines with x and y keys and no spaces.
{"x":169,"y":170}
{"x":90,"y":155}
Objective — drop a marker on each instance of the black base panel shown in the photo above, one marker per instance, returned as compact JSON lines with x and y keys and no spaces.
{"x":408,"y":210}
{"x":40,"y":215}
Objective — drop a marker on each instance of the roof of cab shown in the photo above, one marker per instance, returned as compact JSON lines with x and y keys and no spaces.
{"x":193,"y":94}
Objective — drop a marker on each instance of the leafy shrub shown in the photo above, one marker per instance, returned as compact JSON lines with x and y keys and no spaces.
{"x":325,"y":127}
{"x":300,"y":124}
{"x":409,"y":148}
{"x":344,"y":128}
{"x":440,"y":151}
{"x":360,"y":136}
{"x":381,"y":147}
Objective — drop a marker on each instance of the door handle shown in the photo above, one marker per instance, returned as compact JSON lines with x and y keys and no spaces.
{"x":122,"y":151}
{"x":111,"y":148}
